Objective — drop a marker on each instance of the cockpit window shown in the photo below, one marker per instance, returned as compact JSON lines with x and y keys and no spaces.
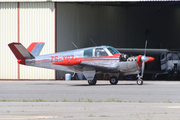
{"x":100,"y":52}
{"x":88,"y":53}
{"x":172,"y":56}
{"x":112,"y":50}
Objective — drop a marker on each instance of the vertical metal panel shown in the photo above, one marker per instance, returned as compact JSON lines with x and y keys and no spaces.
{"x":113,"y":25}
{"x":37,"y":25}
{"x":8,"y":33}
{"x":79,"y":23}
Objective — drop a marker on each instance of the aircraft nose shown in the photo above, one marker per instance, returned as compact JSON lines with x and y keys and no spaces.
{"x":150,"y":59}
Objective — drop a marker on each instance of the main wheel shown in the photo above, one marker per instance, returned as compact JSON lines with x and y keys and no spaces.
{"x":139,"y":82}
{"x":113,"y":80}
{"x":92,"y":82}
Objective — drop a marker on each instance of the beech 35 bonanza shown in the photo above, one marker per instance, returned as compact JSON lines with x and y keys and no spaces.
{"x":89,"y":61}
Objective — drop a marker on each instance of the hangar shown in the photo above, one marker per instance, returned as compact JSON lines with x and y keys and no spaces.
{"x":57,"y":23}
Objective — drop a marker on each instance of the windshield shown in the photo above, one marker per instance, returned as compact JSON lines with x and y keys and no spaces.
{"x":112,"y":50}
{"x":172,"y":56}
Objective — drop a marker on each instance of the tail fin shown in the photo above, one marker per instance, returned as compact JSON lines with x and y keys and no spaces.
{"x":20,"y":52}
{"x":35,"y":48}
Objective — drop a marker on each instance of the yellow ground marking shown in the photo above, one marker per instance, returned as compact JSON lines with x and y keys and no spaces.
{"x":173,"y":107}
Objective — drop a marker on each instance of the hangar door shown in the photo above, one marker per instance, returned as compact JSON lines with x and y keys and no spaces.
{"x":118,"y":25}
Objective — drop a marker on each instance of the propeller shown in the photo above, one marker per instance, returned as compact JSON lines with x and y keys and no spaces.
{"x":144,"y":59}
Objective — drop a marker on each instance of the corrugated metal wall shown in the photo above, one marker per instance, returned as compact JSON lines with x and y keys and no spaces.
{"x":37,"y":24}
{"x":8,"y":33}
{"x":81,"y":22}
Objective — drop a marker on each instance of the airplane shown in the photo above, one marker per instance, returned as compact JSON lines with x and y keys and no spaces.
{"x":169,"y":60}
{"x":89,"y":61}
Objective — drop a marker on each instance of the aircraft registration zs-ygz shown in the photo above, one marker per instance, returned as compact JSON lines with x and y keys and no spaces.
{"x":89,"y":61}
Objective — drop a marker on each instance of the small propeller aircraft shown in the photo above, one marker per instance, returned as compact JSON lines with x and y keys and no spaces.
{"x":89,"y":61}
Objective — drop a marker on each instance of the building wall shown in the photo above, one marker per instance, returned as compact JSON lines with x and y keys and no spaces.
{"x":79,"y":23}
{"x":8,"y":34}
{"x":36,"y":24}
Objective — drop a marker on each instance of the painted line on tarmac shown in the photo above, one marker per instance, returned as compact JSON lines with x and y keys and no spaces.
{"x":173,"y":107}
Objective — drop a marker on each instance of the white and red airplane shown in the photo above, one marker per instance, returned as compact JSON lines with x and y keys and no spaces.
{"x":89,"y":61}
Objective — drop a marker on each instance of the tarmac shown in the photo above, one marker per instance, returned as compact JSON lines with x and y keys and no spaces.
{"x":76,"y":100}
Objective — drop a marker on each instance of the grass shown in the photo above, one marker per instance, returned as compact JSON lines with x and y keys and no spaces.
{"x":89,"y":100}
{"x":103,"y":116}
{"x":82,"y":100}
{"x":91,"y":115}
{"x":112,"y":100}
{"x":65,"y":100}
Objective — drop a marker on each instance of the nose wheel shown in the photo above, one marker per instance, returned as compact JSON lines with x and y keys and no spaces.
{"x":139,"y":80}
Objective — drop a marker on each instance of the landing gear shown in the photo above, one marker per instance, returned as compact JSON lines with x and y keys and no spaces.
{"x":139,"y":81}
{"x":92,"y":82}
{"x":113,"y":80}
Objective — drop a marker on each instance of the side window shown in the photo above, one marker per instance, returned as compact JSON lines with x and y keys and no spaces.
{"x":100,"y":52}
{"x":88,"y":53}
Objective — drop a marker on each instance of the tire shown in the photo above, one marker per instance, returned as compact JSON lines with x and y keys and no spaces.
{"x":113,"y":80}
{"x":139,"y":82}
{"x":92,"y":82}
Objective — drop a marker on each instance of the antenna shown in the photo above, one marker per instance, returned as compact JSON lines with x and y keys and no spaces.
{"x":93,"y":42}
{"x":74,"y":45}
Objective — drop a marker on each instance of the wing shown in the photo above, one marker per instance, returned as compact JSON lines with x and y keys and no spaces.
{"x":98,"y":68}
{"x":78,"y":65}
{"x":141,"y":51}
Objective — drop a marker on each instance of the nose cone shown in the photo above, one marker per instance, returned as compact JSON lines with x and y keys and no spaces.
{"x":150,"y":59}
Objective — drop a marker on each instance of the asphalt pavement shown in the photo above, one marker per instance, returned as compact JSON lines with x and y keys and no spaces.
{"x":154,"y":100}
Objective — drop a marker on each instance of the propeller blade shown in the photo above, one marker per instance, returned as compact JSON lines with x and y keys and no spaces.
{"x":142,"y":69}
{"x":145,"y":48}
{"x":144,"y":59}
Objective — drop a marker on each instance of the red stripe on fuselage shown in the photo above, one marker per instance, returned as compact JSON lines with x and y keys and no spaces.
{"x":75,"y":61}
{"x":114,"y":57}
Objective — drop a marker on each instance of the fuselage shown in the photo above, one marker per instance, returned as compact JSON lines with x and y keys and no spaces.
{"x":103,"y":58}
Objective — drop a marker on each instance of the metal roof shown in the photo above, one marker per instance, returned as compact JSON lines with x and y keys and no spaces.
{"x":86,"y":0}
